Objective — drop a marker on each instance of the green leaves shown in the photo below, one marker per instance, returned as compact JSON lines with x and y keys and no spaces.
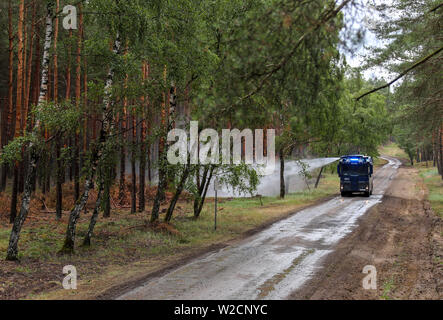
{"x":62,"y":117}
{"x":412,"y":31}
{"x":12,"y":152}
{"x":240,"y":178}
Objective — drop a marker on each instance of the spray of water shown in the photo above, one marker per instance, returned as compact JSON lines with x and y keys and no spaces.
{"x":270,"y":185}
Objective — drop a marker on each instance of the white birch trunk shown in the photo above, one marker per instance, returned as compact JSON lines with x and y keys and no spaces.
{"x":12,"y":252}
{"x":107,"y":127}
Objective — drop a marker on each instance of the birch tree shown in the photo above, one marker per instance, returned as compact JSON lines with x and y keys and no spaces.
{"x":12,"y":252}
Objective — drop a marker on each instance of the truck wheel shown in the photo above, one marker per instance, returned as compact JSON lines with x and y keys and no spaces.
{"x":367,"y":194}
{"x":344,"y":193}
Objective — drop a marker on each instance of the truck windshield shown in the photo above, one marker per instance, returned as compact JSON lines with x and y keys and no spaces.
{"x":352,"y":169}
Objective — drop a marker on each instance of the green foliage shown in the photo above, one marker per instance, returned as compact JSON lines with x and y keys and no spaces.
{"x":60,"y":118}
{"x":12,"y":152}
{"x":357,"y":126}
{"x":241,"y":178}
{"x":412,"y":32}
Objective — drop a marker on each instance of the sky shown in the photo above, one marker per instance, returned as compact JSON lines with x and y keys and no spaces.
{"x":360,"y":17}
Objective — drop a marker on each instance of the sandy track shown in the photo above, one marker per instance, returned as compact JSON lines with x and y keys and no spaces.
{"x":401,"y":237}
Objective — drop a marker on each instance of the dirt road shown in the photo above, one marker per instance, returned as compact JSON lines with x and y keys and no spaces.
{"x":401,"y":237}
{"x":291,"y":259}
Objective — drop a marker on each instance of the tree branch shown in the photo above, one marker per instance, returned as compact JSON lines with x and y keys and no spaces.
{"x":436,"y":7}
{"x":416,"y":64}
{"x":326,"y":17}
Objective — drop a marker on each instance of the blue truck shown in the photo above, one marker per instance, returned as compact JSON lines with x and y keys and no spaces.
{"x":355,"y":172}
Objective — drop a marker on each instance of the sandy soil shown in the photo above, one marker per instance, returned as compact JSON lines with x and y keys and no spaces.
{"x":401,"y":237}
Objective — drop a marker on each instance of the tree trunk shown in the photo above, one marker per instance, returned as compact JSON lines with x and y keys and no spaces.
{"x":10,"y":74}
{"x":440,"y":147}
{"x":167,"y":123}
{"x":200,"y":181}
{"x":434,"y":150}
{"x":10,"y":126}
{"x":68,"y":97}
{"x":178,"y":192}
{"x":18,"y":108}
{"x":122,"y":184}
{"x":29,"y":67}
{"x":142,"y":163}
{"x":107,"y":193}
{"x":162,"y":150}
{"x":142,"y":170}
{"x":162,"y":184}
{"x":202,"y":198}
{"x":12,"y":252}
{"x":14,"y":196}
{"x":3,"y":178}
{"x":124,"y":121}
{"x":149,"y":160}
{"x":20,"y":48}
{"x":78,"y":86}
{"x":85,"y":105}
{"x":94,"y":217}
{"x":107,"y":127}
{"x":282,"y":173}
{"x":133,"y":171}
{"x":36,"y":86}
{"x":59,"y":180}
{"x":68,"y":69}
{"x":21,"y":172}
{"x":3,"y":142}
{"x":59,"y":162}
{"x":48,"y":174}
{"x":318,"y":178}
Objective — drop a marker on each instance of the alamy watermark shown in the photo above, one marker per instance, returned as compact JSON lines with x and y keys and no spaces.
{"x":206,"y":148}
{"x":70,"y":280}
{"x":370,"y":281}
{"x":70,"y":19}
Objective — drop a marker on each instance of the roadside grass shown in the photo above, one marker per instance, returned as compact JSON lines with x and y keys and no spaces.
{"x":125,"y":246}
{"x":379,"y":162}
{"x":428,"y":173}
{"x":434,"y":185}
{"x":393,"y":150}
{"x":388,"y":286}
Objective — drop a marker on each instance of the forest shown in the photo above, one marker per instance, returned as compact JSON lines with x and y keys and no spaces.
{"x":90,"y":89}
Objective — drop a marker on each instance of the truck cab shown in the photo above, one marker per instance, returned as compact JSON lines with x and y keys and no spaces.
{"x":355,"y":172}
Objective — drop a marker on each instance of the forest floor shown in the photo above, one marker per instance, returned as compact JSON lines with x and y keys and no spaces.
{"x":125,"y":248}
{"x":402,"y":237}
